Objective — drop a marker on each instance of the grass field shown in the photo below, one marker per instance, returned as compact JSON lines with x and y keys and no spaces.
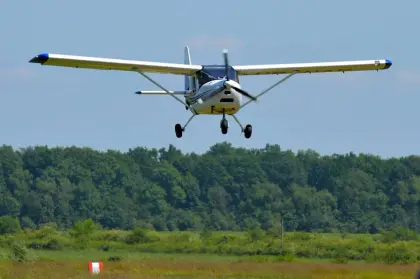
{"x":74,"y":264}
{"x":50,"y":253}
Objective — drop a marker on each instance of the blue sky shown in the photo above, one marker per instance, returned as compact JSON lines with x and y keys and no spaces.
{"x":370,"y":112}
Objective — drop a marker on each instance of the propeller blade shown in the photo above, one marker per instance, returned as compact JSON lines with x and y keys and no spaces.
{"x":243,"y":92}
{"x":228,"y":85}
{"x":225,"y":56}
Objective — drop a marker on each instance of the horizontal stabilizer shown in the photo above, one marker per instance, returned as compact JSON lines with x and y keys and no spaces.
{"x":160,"y":92}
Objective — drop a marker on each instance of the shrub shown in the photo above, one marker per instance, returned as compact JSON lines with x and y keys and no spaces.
{"x":255,"y":235}
{"x":399,"y":254}
{"x":9,"y":225}
{"x":53,"y":244}
{"x":138,"y":235}
{"x":19,"y":252}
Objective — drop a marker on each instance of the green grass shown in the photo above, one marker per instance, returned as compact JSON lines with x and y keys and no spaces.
{"x":72,"y":264}
{"x":86,"y":240}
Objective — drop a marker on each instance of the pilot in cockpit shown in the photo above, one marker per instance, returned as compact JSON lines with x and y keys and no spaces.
{"x":204,"y":77}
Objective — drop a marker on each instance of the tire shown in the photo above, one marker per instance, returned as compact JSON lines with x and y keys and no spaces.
{"x":224,"y":126}
{"x":178,"y":130}
{"x":248,"y":131}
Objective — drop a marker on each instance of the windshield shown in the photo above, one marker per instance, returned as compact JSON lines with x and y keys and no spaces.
{"x":210,"y":73}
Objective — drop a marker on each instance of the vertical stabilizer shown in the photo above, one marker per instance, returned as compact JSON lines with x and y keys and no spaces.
{"x":189,"y":81}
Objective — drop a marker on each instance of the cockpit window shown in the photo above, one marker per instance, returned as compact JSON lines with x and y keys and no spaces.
{"x":210,"y":73}
{"x":204,"y":77}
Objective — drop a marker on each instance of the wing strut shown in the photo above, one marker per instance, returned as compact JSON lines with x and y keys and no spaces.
{"x":161,"y":87}
{"x":271,"y":87}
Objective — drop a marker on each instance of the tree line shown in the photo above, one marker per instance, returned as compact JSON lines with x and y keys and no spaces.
{"x":226,"y":188}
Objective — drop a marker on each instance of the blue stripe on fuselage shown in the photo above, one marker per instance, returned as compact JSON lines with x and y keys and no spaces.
{"x":207,"y":94}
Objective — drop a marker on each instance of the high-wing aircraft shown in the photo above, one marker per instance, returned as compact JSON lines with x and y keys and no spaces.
{"x":209,"y":89}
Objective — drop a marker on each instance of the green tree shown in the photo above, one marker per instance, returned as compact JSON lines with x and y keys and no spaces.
{"x":225,"y":188}
{"x":9,"y":225}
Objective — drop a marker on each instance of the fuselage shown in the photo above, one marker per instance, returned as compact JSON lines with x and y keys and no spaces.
{"x":212,"y":95}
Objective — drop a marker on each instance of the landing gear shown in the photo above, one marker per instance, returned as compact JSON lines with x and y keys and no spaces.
{"x":224,"y":124}
{"x":247,"y":130}
{"x":179,"y":129}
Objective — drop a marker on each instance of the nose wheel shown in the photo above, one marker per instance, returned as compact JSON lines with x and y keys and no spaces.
{"x":224,"y":126}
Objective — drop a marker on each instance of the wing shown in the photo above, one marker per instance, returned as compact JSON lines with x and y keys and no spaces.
{"x":322,"y":67}
{"x":114,"y":64}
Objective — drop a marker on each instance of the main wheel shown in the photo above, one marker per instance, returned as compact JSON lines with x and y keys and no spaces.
{"x":224,"y":125}
{"x":178,"y":130}
{"x":248,"y":131}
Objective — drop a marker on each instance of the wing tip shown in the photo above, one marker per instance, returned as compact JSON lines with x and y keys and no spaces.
{"x":41,"y":58}
{"x":388,"y":64}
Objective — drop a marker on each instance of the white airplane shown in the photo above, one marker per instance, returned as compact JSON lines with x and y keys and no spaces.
{"x":209,"y":89}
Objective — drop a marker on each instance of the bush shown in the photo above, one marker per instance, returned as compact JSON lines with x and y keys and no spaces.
{"x":9,"y":225}
{"x":399,"y":254}
{"x":139,"y":235}
{"x":274,"y":232}
{"x":27,"y":223}
{"x":256,"y":234}
{"x":205,"y":234}
{"x":35,"y":245}
{"x":53,"y":244}
{"x":252,"y":243}
{"x":111,"y":235}
{"x":19,"y":252}
{"x":46,"y":231}
{"x":83,"y":228}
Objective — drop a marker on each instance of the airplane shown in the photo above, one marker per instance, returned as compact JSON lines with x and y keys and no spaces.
{"x":209,"y":89}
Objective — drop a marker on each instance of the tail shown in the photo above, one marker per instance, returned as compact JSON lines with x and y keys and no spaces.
{"x":189,"y":81}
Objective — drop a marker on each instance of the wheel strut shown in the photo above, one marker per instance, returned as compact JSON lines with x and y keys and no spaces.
{"x":247,"y":130}
{"x":179,"y":129}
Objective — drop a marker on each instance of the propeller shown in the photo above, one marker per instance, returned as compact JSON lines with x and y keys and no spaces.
{"x":225,"y":56}
{"x":228,"y":84}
